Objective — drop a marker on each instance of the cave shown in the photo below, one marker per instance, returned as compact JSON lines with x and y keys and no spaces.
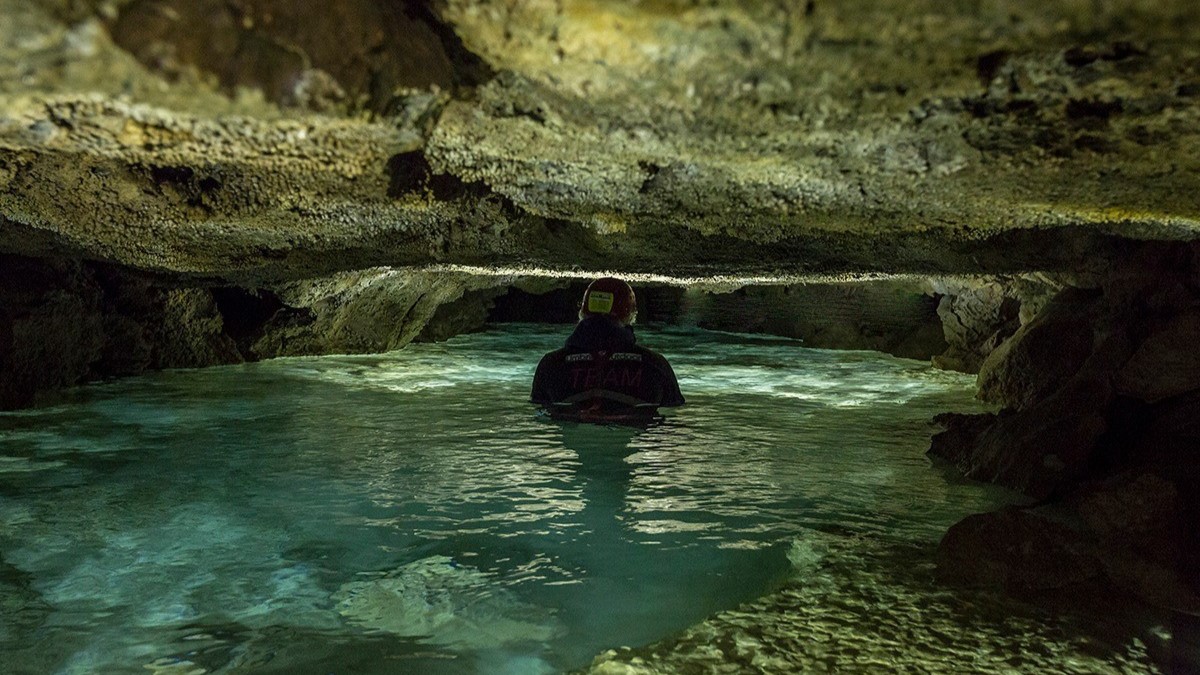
{"x":272,"y":272}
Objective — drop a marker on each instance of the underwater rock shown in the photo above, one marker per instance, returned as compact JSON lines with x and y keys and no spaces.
{"x":1017,"y":551}
{"x":875,"y":606}
{"x":444,"y":602}
{"x":22,"y":608}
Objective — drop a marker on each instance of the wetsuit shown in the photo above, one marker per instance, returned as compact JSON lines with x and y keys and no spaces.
{"x":602,"y":373}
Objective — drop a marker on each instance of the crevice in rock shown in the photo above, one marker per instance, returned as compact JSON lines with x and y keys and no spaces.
{"x":410,"y":172}
{"x":246,"y":313}
{"x":470,"y":70}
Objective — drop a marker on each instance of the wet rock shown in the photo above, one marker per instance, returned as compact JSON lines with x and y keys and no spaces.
{"x":959,"y":436}
{"x":446,"y":602}
{"x":1166,"y":364}
{"x":1142,"y":520}
{"x":1036,"y":450}
{"x":1041,"y":355}
{"x":56,"y":332}
{"x":1017,"y":551}
{"x":1131,"y":510}
{"x":895,"y":317}
{"x":64,"y":323}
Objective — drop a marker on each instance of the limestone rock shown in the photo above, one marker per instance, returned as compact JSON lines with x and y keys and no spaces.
{"x":444,"y":602}
{"x":1017,"y":551}
{"x":891,"y":316}
{"x":1167,"y":364}
{"x":975,"y":320}
{"x":1036,"y":450}
{"x":277,"y":45}
{"x":1040,"y":357}
{"x":192,"y":332}
{"x":1132,"y":509}
{"x":373,"y":310}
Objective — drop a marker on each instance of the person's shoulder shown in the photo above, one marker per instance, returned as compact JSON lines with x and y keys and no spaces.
{"x":556,"y":355}
{"x":651,"y":355}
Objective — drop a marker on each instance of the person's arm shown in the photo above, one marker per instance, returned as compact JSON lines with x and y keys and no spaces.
{"x":671,"y":394}
{"x":541,"y":393}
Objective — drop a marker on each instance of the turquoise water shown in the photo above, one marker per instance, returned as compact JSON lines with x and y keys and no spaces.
{"x":408,"y":512}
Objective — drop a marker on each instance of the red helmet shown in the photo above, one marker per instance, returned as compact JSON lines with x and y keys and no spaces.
{"x":610,"y":296}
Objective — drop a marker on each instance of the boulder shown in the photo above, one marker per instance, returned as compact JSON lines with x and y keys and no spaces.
{"x":1042,"y":354}
{"x":1036,"y":450}
{"x":976,"y":318}
{"x":1167,"y":363}
{"x":1130,"y":509}
{"x":1017,"y":551}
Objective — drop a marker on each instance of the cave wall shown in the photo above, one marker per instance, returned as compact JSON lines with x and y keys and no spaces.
{"x":896,"y":317}
{"x":1099,"y":396}
{"x":63,"y":323}
{"x":107,"y":321}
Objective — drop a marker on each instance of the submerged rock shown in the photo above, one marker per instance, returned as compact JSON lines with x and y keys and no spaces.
{"x":875,"y":606}
{"x":444,"y":602}
{"x":1018,"y":551}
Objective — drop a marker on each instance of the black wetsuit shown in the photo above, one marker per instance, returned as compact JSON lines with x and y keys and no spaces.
{"x":603,"y":373}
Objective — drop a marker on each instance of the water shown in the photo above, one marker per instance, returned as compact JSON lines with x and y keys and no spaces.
{"x":409,"y":513}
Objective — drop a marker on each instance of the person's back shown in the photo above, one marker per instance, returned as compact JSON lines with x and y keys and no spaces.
{"x":602,"y":373}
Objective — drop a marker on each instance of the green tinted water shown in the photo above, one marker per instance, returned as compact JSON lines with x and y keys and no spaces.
{"x":409,"y":513}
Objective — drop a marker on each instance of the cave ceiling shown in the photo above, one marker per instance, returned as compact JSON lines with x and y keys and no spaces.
{"x":256,"y":141}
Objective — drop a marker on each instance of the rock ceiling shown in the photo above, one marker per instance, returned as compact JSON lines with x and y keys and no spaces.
{"x":262,"y":140}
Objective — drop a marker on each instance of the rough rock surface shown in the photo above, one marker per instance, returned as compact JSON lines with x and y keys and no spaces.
{"x":980,"y":313}
{"x":881,"y":135}
{"x":872,"y":606}
{"x":1100,"y":408}
{"x":69,"y":322}
{"x":894,"y":316}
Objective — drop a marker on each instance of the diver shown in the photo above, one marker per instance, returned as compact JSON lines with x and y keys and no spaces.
{"x":602,"y":374}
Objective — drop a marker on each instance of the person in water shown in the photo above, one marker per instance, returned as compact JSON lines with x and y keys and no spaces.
{"x":602,"y":373}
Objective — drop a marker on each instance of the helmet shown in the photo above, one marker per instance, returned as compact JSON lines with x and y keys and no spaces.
{"x":609,"y":296}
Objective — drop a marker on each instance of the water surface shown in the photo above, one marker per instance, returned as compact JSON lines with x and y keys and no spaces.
{"x":408,"y":512}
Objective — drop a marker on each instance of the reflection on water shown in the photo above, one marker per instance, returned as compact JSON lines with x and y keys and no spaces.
{"x":409,"y":513}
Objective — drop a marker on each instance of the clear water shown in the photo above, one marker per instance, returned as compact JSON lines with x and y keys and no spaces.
{"x":409,"y":513}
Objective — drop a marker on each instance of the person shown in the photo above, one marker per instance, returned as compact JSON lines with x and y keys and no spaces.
{"x":602,"y":373}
